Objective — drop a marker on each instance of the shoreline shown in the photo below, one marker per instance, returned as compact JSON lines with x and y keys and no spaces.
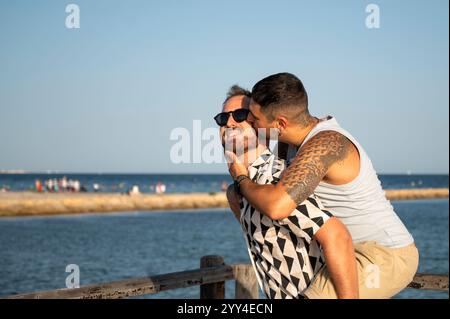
{"x":21,"y":204}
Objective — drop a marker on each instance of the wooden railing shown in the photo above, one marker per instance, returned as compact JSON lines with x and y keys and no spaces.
{"x":210,"y":277}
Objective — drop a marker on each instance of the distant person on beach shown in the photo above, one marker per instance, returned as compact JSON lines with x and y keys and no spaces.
{"x":160,"y":188}
{"x":64,"y":184}
{"x":134,"y":190}
{"x":326,"y":160}
{"x":38,"y":186}
{"x":76,"y":186}
{"x":286,"y":254}
{"x":50,"y":187}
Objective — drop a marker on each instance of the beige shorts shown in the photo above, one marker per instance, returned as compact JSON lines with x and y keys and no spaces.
{"x":383,"y":272}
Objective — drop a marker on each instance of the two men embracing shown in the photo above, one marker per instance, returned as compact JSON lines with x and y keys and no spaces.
{"x":314,"y":216}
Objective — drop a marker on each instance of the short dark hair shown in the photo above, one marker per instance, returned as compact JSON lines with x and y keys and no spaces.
{"x":282,"y":93}
{"x":236,"y":90}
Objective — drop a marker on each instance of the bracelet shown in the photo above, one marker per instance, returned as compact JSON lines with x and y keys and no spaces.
{"x":237,"y":183}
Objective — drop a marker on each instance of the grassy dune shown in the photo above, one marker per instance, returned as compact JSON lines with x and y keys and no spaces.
{"x":35,"y":204}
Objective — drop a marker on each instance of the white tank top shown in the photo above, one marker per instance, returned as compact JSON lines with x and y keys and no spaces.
{"x":361,"y":204}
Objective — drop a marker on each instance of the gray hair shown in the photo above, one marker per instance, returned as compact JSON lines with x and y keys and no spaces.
{"x":236,"y":90}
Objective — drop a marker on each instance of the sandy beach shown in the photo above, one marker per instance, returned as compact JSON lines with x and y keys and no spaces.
{"x":38,"y":204}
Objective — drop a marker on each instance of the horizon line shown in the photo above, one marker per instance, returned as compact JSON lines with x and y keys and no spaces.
{"x":49,"y":172}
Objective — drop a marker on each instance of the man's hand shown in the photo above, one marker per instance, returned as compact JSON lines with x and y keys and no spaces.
{"x":340,"y":259}
{"x":235,"y":165}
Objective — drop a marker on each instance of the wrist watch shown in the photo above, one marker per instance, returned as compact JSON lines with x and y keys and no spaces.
{"x":237,"y":183}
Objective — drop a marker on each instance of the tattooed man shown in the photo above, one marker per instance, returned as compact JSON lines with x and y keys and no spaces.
{"x":286,"y":254}
{"x":326,"y":159}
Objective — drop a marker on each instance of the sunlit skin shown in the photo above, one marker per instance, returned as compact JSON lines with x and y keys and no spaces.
{"x":241,"y":135}
{"x":333,"y":236}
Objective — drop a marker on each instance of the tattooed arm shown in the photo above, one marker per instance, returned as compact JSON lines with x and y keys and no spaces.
{"x":323,"y":155}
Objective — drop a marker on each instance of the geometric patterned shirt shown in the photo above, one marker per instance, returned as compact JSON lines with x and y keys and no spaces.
{"x":284,"y":253}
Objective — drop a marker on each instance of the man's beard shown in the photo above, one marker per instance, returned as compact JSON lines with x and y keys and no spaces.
{"x":244,"y":146}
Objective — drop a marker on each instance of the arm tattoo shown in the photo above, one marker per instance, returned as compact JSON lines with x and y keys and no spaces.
{"x":312,"y":163}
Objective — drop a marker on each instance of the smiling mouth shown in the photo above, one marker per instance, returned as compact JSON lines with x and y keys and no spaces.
{"x":231,"y":133}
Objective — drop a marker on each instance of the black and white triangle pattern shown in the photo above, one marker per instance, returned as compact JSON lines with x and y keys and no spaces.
{"x":284,"y":253}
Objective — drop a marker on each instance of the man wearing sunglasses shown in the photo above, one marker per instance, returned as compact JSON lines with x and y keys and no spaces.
{"x":286,"y":254}
{"x":327,"y":160}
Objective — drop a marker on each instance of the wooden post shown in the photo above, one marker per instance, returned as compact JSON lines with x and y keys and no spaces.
{"x":246,"y":283}
{"x":215,"y":290}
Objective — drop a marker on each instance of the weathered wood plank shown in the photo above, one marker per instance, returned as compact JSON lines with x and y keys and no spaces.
{"x":137,"y":286}
{"x":430,"y":282}
{"x":246,"y":283}
{"x":212,"y":290}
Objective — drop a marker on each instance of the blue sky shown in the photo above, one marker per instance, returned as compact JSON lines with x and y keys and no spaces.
{"x":105,"y":97}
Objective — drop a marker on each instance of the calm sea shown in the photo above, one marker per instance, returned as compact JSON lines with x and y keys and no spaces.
{"x":35,"y":251}
{"x":186,"y":183}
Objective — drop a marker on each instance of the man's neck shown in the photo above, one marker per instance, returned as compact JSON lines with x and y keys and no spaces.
{"x":299,"y":134}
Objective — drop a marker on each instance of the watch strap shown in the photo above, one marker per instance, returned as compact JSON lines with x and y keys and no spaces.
{"x":237,"y":183}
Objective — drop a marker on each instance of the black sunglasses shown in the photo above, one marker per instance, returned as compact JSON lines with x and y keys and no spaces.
{"x":239,"y":116}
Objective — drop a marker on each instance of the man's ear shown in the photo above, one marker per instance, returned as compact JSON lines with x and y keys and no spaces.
{"x":281,"y":123}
